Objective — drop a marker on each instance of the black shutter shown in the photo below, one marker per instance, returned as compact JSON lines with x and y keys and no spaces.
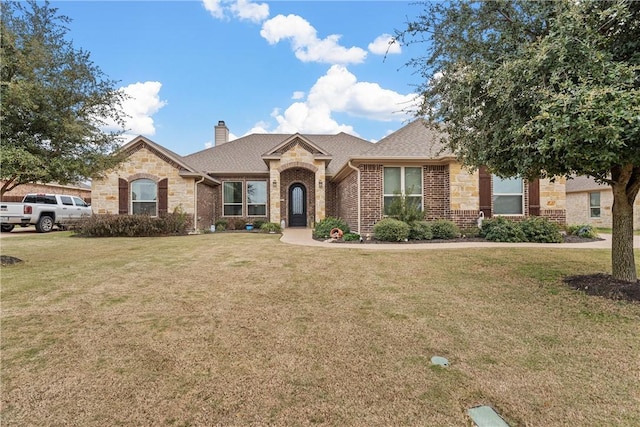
{"x":534,"y":197}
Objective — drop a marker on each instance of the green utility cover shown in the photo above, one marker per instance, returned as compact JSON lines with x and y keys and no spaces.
{"x":485,"y":416}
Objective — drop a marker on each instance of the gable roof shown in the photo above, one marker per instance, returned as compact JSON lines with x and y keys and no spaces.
{"x":245,"y":155}
{"x":415,"y":140}
{"x":184,"y":167}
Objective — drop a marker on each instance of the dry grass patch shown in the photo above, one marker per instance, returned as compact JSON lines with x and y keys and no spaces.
{"x":235,"y":329}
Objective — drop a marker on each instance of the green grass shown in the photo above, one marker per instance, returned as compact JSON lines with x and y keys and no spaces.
{"x":240,"y":329}
{"x":608,"y":231}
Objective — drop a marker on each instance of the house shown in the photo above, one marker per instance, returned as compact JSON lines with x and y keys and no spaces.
{"x":590,"y":203}
{"x":301,"y":179}
{"x":81,"y":190}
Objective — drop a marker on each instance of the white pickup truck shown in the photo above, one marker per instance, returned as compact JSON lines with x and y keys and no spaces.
{"x":42,"y":210}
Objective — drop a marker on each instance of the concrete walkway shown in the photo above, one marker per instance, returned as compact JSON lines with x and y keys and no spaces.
{"x":302,"y":237}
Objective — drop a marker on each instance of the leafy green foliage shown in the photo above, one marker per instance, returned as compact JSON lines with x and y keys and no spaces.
{"x":391,"y":230}
{"x":271,"y":227}
{"x":132,"y":225}
{"x":540,"y":230}
{"x":221,"y":224}
{"x":420,"y":230}
{"x":444,"y":229}
{"x":582,"y":230}
{"x":55,"y":102}
{"x":539,"y":89}
{"x":351,"y":237}
{"x":500,"y":229}
{"x":257,"y":223}
{"x":324,"y":227}
{"x":403,"y":209}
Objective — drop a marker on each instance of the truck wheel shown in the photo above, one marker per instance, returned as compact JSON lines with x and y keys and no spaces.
{"x":44,"y":224}
{"x":6,"y":228}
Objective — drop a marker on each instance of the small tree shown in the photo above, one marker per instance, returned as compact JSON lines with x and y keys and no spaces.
{"x":539,"y":89}
{"x":55,"y":102}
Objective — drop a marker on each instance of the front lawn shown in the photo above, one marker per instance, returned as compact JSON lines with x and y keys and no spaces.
{"x":241,"y":329}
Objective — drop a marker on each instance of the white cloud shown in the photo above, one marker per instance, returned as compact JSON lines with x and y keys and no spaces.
{"x":254,"y":12}
{"x":385,"y":44}
{"x":297,"y":95}
{"x":306,"y":44}
{"x":142,"y":103}
{"x":214,"y":7}
{"x":339,"y":91}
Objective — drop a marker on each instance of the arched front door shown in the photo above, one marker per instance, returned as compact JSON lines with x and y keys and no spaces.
{"x":297,"y":206}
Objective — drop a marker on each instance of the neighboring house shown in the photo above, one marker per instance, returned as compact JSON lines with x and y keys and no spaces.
{"x":590,"y":203}
{"x":301,"y":179}
{"x":17,"y":194}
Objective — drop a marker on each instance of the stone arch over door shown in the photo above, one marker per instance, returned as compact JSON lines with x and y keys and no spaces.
{"x":291,"y":177}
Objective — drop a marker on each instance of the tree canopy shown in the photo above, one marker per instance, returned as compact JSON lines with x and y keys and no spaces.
{"x":539,"y":89}
{"x":55,"y":102}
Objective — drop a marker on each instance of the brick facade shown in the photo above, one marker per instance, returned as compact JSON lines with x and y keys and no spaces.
{"x":18,"y":193}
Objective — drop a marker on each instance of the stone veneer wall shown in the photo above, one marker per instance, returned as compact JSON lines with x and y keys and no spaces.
{"x":104,"y":192}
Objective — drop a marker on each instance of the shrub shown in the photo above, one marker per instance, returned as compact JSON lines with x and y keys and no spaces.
{"x":324,"y":227}
{"x":238,"y":224}
{"x":582,"y":230}
{"x":391,"y":230}
{"x":500,"y":229}
{"x":175,"y":223}
{"x":540,"y":230}
{"x":403,"y":209}
{"x":270,"y":227}
{"x":221,"y":224}
{"x":444,"y":229}
{"x":420,"y":230}
{"x":351,"y":237}
{"x":257,"y":223}
{"x":470,"y":232}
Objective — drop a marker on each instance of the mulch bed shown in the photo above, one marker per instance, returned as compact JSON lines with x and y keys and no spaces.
{"x":604,"y":285}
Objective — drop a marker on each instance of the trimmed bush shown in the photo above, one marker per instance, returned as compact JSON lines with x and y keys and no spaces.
{"x":540,"y":230}
{"x":257,"y":223}
{"x":420,"y":230}
{"x":351,"y":237}
{"x":444,"y":229}
{"x":324,"y":227}
{"x":270,"y":227}
{"x":582,"y":230}
{"x":221,"y":224}
{"x":391,"y":230}
{"x":133,"y":225}
{"x":500,"y":229}
{"x":238,"y":224}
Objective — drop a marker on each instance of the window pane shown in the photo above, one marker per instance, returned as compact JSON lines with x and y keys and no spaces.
{"x":66,"y":200}
{"x":79,"y":201}
{"x":413,"y":180}
{"x":414,"y":201}
{"x":233,"y":192}
{"x":144,"y":208}
{"x":391,"y":180}
{"x":143,"y":189}
{"x":232,"y":210}
{"x":256,"y":192}
{"x":507,"y":205}
{"x":594,"y":199}
{"x":257,"y":210}
{"x":388,"y":200}
{"x":595,"y":212}
{"x":507,"y":186}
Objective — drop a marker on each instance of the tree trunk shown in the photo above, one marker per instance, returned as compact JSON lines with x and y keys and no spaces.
{"x":622,"y":258}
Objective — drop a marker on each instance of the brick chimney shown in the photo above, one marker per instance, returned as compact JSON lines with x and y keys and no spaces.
{"x":221,"y":133}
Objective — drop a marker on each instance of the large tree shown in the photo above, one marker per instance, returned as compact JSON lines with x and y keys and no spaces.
{"x":54,"y":102}
{"x":539,"y":89}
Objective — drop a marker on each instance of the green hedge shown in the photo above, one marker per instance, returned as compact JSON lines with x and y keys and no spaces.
{"x":445,"y":229}
{"x":133,"y":225}
{"x":391,"y":230}
{"x":324,"y":227}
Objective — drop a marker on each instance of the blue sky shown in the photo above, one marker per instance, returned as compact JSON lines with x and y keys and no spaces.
{"x":280,"y":66}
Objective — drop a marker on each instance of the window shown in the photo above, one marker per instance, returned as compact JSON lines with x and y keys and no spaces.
{"x":402,"y":181}
{"x":508,"y":196}
{"x":79,"y":202}
{"x":594,"y":205}
{"x":256,"y":198}
{"x":232,"y":198}
{"x":66,"y":200}
{"x":144,"y":194}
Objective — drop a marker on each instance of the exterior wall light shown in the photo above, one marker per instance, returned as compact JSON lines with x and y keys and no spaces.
{"x":275,"y":183}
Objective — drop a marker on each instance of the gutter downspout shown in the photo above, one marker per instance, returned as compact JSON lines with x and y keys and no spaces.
{"x":195,"y":203}
{"x":359,"y":189}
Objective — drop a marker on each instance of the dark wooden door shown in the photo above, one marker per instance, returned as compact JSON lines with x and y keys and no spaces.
{"x":297,"y":206}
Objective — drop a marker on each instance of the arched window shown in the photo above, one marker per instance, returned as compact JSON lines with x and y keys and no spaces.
{"x":144,"y":197}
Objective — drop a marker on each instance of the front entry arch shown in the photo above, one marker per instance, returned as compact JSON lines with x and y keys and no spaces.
{"x":297,"y":205}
